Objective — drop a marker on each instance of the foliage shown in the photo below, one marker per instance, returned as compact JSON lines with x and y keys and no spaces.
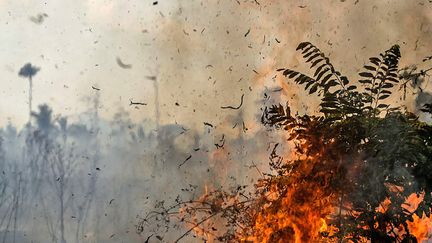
{"x":356,"y":164}
{"x":28,"y":70}
{"x":375,"y":157}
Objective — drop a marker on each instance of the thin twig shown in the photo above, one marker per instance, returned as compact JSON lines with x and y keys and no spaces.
{"x":188,"y":158}
{"x":137,"y":103}
{"x":196,"y":225}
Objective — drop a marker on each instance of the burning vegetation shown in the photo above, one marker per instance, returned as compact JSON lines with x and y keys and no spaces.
{"x":360,"y":170}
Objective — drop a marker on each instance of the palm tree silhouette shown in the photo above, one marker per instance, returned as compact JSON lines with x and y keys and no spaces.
{"x":28,"y":71}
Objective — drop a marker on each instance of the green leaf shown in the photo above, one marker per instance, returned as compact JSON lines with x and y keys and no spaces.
{"x":352,"y":87}
{"x":392,"y":79}
{"x":322,"y":73}
{"x":308,"y":49}
{"x":366,"y":75}
{"x":293,"y":74}
{"x":329,"y":105}
{"x":367,"y":108}
{"x":287,"y":72}
{"x":313,"y":89}
{"x":312,"y":57}
{"x":375,"y":60}
{"x":365,"y":81}
{"x":394,"y":75}
{"x":304,"y":79}
{"x":325,"y":78}
{"x":387,"y":85}
{"x":316,"y":62}
{"x":302,"y":45}
{"x":309,"y":84}
{"x":369,"y":68}
{"x":319,"y":69}
{"x":383,"y":96}
{"x":329,"y":97}
{"x":345,"y":80}
{"x":331,"y":83}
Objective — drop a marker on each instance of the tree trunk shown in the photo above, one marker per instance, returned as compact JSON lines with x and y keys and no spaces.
{"x":62,"y":192}
{"x":62,"y":235}
{"x":30,"y":96}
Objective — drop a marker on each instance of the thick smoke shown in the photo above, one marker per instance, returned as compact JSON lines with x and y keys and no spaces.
{"x":104,"y":163}
{"x":91,"y":180}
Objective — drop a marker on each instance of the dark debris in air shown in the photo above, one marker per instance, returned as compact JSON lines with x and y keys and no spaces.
{"x":122,"y":64}
{"x":39,"y":18}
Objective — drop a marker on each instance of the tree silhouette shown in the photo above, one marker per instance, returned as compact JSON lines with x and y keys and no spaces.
{"x":28,"y":71}
{"x":43,"y":118}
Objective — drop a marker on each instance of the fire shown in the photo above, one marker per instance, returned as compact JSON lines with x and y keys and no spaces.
{"x":300,"y":223}
{"x":324,"y":226}
{"x":295,"y":208}
{"x":306,"y":198}
{"x":193,"y":212}
{"x":420,"y":227}
{"x":299,"y":206}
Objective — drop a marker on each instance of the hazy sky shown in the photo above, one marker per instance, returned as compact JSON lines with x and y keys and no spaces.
{"x":206,"y":54}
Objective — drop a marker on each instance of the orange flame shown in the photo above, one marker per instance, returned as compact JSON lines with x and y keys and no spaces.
{"x":421,"y":227}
